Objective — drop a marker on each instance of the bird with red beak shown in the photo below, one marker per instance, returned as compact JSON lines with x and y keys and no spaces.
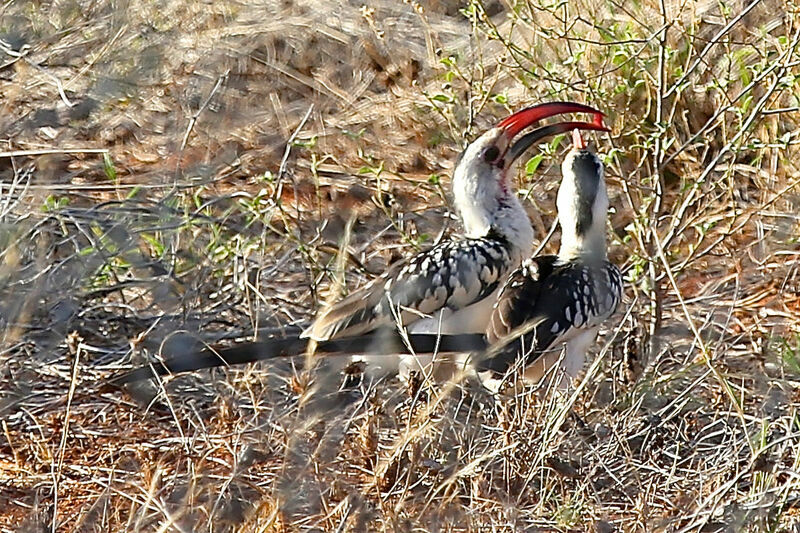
{"x":450,"y":289}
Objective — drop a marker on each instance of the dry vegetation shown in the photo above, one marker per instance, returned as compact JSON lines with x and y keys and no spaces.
{"x":175,"y":169}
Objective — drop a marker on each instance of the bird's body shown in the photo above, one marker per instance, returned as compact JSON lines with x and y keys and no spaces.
{"x":549,"y":311}
{"x":547,"y":305}
{"x":439,"y":290}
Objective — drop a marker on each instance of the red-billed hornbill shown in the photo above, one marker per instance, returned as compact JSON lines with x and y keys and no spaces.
{"x":450,"y":289}
{"x":548,"y":313}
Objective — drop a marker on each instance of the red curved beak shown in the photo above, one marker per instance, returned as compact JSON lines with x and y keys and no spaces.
{"x":523,"y":118}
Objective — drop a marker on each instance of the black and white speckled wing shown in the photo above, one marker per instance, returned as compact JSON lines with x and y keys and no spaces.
{"x":453,"y":275}
{"x":545,"y":302}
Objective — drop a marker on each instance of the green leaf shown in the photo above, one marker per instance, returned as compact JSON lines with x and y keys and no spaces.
{"x":533,"y":163}
{"x":133,"y":193}
{"x":501,"y":99}
{"x":309,"y":143}
{"x":157,"y":245}
{"x":557,"y":141}
{"x":55,"y":203}
{"x":354,"y":135}
{"x":108,"y":167}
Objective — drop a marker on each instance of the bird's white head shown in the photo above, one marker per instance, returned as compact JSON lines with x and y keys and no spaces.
{"x":582,"y":203}
{"x":482,"y":188}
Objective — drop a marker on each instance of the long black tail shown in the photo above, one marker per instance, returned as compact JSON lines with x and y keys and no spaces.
{"x":386,"y":342}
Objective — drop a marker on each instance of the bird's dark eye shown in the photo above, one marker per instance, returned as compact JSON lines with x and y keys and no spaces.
{"x":491,"y":154}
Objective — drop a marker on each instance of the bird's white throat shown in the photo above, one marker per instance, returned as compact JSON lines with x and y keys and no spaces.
{"x":487,"y":203}
{"x":581,"y":242}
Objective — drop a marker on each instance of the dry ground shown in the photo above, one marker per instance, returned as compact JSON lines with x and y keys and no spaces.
{"x":174,"y":169}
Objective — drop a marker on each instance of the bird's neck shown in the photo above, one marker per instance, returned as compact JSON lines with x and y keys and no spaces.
{"x":498,"y":211}
{"x":583,"y":224}
{"x":581,"y":246}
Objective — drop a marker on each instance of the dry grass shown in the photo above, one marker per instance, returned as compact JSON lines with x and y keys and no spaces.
{"x":148,"y":191}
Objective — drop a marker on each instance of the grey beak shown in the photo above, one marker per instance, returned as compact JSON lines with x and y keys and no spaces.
{"x":531,"y":138}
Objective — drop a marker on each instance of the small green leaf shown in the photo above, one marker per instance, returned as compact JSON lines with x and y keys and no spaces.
{"x":308,"y":143}
{"x":557,"y":141}
{"x":108,"y":167}
{"x":55,"y":203}
{"x":354,"y":134}
{"x":533,"y":163}
{"x":157,"y":245}
{"x":501,"y":99}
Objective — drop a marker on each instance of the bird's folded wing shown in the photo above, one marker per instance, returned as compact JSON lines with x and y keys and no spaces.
{"x":453,"y":274}
{"x":543,"y":303}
